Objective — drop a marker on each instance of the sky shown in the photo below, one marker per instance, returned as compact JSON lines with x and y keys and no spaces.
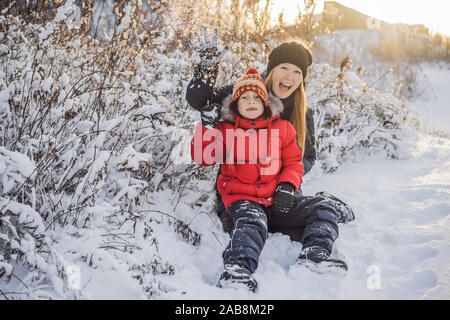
{"x":434,"y":14}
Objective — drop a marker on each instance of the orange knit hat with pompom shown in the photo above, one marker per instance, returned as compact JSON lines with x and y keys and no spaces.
{"x":251,"y":81}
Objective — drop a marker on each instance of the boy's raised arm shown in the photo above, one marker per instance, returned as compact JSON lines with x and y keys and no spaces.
{"x":200,"y":90}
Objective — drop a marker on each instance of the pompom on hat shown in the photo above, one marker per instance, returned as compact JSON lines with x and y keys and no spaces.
{"x":290,"y":52}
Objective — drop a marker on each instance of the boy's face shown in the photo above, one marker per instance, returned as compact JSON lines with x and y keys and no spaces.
{"x":250,"y":105}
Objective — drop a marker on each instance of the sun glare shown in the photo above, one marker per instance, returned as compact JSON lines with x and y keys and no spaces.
{"x":431,"y":13}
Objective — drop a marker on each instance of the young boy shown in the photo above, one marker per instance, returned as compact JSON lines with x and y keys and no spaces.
{"x":261,"y":170}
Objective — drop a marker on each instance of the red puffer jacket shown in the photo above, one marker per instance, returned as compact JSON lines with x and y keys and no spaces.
{"x":247,"y":173}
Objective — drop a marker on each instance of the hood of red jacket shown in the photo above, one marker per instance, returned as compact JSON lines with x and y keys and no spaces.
{"x":275,"y":105}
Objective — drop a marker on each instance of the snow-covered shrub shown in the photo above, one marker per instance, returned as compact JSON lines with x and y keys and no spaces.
{"x":353,"y":120}
{"x":95,"y":124}
{"x":385,"y":59}
{"x":23,"y":240}
{"x":21,"y":227}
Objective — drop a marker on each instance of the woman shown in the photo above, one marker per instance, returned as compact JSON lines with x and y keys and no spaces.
{"x":286,"y":71}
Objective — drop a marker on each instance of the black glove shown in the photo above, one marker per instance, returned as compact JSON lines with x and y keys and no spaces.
{"x":283,"y":198}
{"x":211,"y":114}
{"x":210,"y":57}
{"x":207,"y":49}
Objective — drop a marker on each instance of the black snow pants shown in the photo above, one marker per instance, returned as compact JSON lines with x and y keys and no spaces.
{"x":251,"y":222}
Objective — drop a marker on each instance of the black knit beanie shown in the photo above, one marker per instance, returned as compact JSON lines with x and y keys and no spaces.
{"x":290,"y":52}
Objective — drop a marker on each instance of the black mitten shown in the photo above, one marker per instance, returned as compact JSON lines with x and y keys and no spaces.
{"x":210,"y":57}
{"x":283,"y":198}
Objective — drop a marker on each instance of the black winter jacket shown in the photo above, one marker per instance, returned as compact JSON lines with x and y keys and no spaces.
{"x":200,"y":93}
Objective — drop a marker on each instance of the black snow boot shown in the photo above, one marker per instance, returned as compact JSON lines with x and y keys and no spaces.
{"x":237,"y":277}
{"x":318,"y":259}
{"x":344,"y":214}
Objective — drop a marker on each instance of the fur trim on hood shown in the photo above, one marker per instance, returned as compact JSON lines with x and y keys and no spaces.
{"x":275,"y":105}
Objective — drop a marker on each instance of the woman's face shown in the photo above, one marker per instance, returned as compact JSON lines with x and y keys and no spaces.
{"x":286,"y":78}
{"x":250,"y":105}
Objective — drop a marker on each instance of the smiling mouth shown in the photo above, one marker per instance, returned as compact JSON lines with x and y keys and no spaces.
{"x":285,"y":86}
{"x":252,"y":109}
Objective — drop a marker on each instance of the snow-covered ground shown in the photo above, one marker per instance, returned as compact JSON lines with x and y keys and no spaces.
{"x":401,"y":235}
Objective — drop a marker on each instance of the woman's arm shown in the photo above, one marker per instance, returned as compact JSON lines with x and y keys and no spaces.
{"x":309,"y":156}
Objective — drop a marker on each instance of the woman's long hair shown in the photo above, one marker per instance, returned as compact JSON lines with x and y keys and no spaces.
{"x":298,"y":116}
